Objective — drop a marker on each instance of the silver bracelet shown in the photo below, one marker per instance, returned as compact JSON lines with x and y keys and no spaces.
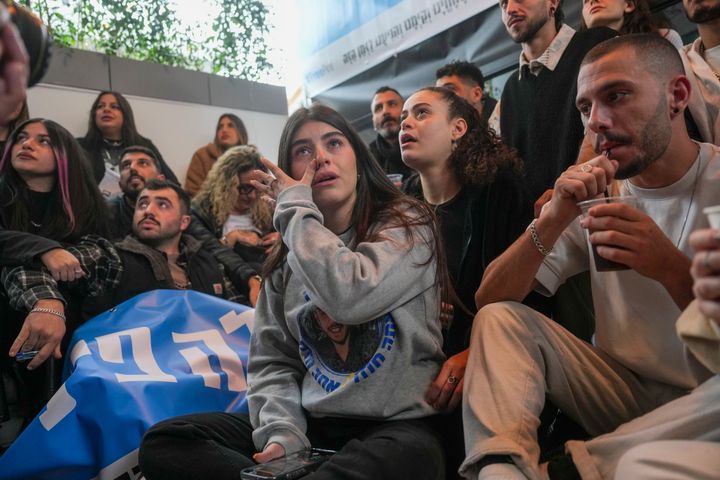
{"x":536,"y":240}
{"x":57,"y":313}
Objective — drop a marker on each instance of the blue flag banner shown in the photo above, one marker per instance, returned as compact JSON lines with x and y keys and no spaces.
{"x":161,"y":354}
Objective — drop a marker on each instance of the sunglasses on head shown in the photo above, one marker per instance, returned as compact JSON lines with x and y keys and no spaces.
{"x":245,"y":188}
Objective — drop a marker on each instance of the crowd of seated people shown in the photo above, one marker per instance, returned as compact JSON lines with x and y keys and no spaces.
{"x":477,"y":282}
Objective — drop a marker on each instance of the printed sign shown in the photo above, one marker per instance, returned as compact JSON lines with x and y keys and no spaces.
{"x":355,"y":36}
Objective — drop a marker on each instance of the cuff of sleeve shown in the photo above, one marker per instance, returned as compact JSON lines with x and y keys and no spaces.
{"x":289,"y":441}
{"x":30,"y":297}
{"x":548,"y":281}
{"x":294,"y":193}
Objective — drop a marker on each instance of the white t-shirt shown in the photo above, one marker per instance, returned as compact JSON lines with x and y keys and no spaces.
{"x":635,"y":316}
{"x":712,"y":57}
{"x":239,"y":222}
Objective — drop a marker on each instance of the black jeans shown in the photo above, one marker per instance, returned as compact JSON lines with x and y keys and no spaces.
{"x":219,"y":445}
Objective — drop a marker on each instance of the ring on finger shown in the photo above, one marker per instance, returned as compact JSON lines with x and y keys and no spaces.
{"x":706,"y":261}
{"x":586,"y":168}
{"x":452,"y":380}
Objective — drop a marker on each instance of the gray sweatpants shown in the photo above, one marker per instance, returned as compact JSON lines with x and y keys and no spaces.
{"x":517,"y":356}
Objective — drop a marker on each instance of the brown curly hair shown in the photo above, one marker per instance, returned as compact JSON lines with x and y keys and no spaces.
{"x":220,"y":189}
{"x":480,"y":153}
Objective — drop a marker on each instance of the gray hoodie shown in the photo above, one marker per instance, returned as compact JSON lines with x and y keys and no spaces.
{"x":383,"y":298}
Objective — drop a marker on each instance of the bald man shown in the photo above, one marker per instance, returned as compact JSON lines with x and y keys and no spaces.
{"x":631,"y":94}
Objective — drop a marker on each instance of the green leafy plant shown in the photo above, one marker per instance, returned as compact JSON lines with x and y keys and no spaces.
{"x":150,"y":30}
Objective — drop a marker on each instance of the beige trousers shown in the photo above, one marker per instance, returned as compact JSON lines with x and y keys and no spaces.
{"x":517,"y":355}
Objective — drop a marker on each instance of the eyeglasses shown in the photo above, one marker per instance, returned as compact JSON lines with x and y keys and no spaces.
{"x":245,"y":189}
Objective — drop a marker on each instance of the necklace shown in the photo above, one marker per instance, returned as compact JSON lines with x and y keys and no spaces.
{"x":113,"y":143}
{"x":692,"y":198}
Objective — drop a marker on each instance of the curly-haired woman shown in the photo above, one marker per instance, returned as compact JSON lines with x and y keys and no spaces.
{"x":472,"y":180}
{"x":228,"y":218}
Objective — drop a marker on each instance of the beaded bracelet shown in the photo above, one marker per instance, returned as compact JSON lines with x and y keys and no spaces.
{"x":57,"y":313}
{"x":536,"y":240}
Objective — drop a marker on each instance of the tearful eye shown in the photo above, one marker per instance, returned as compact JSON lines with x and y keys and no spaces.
{"x":302,"y":152}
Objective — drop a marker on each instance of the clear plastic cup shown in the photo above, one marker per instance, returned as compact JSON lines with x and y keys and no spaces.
{"x":603,"y":264}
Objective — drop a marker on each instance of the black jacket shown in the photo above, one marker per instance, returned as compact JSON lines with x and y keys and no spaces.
{"x":146,"y":269}
{"x":16,"y":247}
{"x":121,"y":215}
{"x":496,"y":216}
{"x":389,"y":157}
{"x":203,"y":228}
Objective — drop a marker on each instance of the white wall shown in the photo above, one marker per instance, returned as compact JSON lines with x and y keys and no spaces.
{"x":176,"y":128}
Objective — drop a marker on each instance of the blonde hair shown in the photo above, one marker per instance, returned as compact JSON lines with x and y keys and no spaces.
{"x":220,"y":193}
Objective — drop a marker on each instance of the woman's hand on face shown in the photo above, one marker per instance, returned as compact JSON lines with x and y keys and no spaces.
{"x":271,"y":186}
{"x":445,"y":392}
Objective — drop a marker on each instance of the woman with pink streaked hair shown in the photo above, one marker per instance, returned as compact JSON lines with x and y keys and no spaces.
{"x":46,"y":185}
{"x":48,"y":200}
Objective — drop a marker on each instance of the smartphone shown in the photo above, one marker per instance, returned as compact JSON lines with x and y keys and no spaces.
{"x":290,"y":467}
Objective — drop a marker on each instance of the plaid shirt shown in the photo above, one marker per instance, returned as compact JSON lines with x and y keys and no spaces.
{"x":98,"y":259}
{"x":103,"y":271}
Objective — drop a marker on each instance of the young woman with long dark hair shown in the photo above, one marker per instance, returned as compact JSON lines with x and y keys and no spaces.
{"x":361,"y":252}
{"x":48,"y":199}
